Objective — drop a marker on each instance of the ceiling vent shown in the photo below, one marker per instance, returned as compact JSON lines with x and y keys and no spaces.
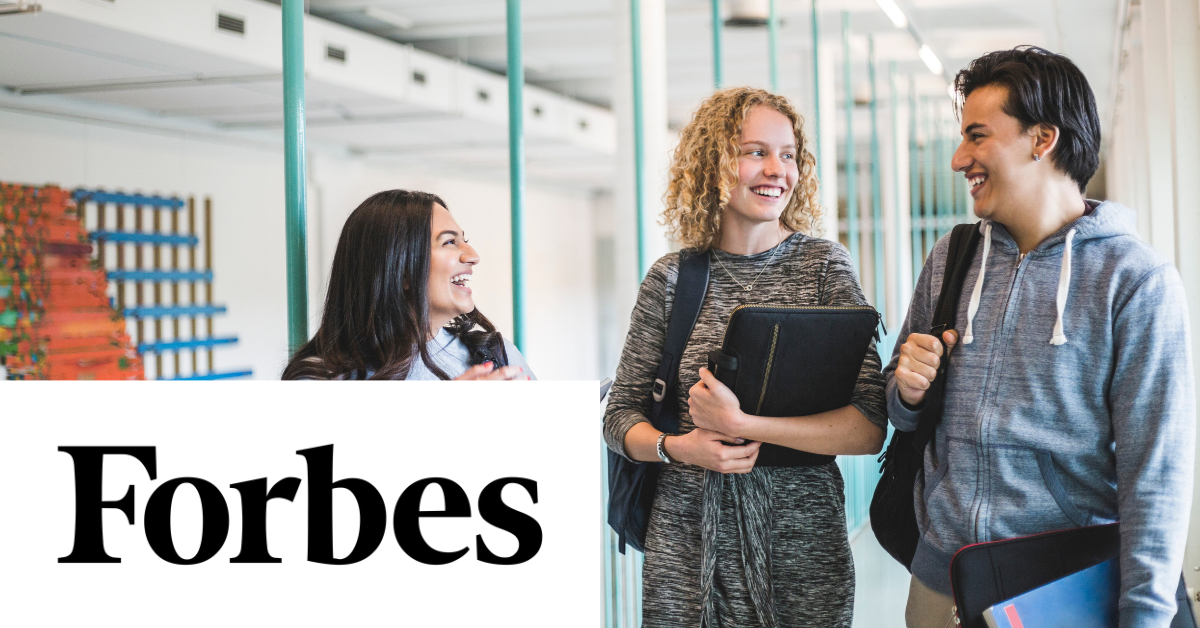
{"x":748,"y":13}
{"x":333,"y":53}
{"x":231,"y":24}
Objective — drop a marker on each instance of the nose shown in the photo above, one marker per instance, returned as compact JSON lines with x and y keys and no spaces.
{"x":961,"y":161}
{"x":773,"y":166}
{"x":468,"y":255}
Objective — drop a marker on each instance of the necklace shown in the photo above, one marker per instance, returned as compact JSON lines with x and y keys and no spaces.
{"x":746,"y":288}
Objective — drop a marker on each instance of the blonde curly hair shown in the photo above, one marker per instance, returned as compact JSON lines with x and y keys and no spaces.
{"x":704,"y":168}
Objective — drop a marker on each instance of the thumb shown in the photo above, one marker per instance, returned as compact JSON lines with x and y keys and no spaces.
{"x":950,"y":337}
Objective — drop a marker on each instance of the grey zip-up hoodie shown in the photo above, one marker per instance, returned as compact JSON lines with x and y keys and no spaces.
{"x":1070,"y":402}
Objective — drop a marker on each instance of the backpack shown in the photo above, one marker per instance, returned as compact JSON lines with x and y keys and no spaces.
{"x":631,"y":485}
{"x":893,"y":513}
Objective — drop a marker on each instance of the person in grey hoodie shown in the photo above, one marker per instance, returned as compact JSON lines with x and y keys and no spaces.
{"x":1071,"y":399}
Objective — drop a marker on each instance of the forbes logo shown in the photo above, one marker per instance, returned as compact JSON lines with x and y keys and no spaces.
{"x":255,"y":494}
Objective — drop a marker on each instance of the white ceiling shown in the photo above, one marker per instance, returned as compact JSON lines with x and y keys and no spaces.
{"x":568,"y":44}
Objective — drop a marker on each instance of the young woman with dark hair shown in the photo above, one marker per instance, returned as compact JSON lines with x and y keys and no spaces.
{"x":399,"y":302}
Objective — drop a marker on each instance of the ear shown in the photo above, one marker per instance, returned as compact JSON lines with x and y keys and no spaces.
{"x":1045,"y":139}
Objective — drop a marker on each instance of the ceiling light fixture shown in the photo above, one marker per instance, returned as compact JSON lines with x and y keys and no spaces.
{"x":391,"y":17}
{"x":893,"y":12}
{"x":930,"y":59}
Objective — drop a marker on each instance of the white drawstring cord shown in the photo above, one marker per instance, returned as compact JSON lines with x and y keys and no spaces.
{"x":1064,"y":284}
{"x":968,"y":337}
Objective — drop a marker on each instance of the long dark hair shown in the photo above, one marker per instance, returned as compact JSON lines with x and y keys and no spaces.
{"x":376,"y":315}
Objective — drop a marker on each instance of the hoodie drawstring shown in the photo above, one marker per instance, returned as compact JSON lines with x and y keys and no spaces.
{"x":1064,"y":284}
{"x":969,"y":337}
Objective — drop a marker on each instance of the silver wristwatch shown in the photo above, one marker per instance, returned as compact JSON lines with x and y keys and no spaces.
{"x":662,"y":452}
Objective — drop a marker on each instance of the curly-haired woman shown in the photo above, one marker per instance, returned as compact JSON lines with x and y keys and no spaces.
{"x":731,"y":543}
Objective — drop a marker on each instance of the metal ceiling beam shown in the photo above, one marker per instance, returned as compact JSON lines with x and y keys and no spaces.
{"x":148,"y":83}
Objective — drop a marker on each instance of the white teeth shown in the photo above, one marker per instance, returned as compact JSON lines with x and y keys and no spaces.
{"x":976,"y":181}
{"x":461,"y":280}
{"x":769,"y":192}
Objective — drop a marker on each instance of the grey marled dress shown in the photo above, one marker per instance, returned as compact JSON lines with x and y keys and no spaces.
{"x":811,"y":573}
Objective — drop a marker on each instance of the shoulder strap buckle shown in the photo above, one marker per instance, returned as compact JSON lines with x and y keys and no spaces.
{"x":659,"y":390}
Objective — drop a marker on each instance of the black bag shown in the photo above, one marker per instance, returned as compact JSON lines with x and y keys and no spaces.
{"x":893,"y":514}
{"x":793,"y":361}
{"x":631,"y":484}
{"x":986,"y":574}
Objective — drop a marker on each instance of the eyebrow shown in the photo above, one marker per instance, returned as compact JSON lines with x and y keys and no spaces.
{"x":758,"y":143}
{"x":973,"y":126}
{"x":447,"y":232}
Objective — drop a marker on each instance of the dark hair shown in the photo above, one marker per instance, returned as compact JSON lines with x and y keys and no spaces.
{"x":376,"y":315}
{"x":1043,"y":88}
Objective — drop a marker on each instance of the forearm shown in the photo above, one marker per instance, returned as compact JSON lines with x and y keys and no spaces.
{"x":844,"y":431}
{"x":641,"y":442}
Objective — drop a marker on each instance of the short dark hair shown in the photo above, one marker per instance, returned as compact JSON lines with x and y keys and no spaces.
{"x":1043,"y":88}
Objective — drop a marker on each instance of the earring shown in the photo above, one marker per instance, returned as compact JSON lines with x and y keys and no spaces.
{"x":1037,"y":157}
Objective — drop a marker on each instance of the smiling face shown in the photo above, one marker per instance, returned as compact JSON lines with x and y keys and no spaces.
{"x":996,"y":156}
{"x":767,"y":169}
{"x":451,"y":261}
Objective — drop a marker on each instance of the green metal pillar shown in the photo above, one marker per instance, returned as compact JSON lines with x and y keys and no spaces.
{"x":851,"y":165}
{"x":927,"y":199}
{"x":773,"y":46}
{"x":914,"y":181}
{"x":717,"y":27}
{"x":295,"y":192}
{"x":876,"y":189}
{"x":639,"y":137}
{"x":816,"y":56}
{"x":516,"y":167}
{"x":944,"y":178}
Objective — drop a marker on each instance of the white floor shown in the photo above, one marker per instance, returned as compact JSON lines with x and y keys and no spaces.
{"x":881,"y":589}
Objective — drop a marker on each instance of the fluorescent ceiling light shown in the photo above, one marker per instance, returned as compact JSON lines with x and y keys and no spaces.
{"x":893,"y":12}
{"x":383,"y":15}
{"x":930,"y":59}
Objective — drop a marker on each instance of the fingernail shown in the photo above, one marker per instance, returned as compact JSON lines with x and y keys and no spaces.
{"x":488,"y":363}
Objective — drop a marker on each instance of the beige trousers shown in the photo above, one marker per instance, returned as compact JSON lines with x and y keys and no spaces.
{"x":928,"y":608}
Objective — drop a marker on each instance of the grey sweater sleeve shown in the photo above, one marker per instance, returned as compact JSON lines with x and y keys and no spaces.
{"x":918,"y":321}
{"x":629,"y":399}
{"x":1152,"y":399}
{"x":841,"y":288}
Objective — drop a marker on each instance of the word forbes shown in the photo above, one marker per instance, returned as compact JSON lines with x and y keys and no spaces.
{"x":89,"y":505}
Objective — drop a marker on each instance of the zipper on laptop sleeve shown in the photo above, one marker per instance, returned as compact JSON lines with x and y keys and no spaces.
{"x":767,"y":375}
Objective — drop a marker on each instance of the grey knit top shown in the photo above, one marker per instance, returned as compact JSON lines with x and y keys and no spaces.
{"x":720,"y":547}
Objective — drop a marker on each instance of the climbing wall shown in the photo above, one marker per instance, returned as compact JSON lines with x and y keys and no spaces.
{"x":56,"y":321}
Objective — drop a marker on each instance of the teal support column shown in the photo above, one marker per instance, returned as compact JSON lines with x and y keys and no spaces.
{"x":295,"y":191}
{"x":516,"y":167}
{"x":927,"y":198}
{"x":639,"y":137}
{"x":876,"y":190}
{"x":851,"y":164}
{"x":816,"y":56}
{"x":717,"y":27}
{"x":944,"y":180}
{"x":914,"y":181}
{"x":773,"y":46}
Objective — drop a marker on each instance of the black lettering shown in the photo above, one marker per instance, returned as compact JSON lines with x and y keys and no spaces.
{"x":254,"y":516}
{"x":406,"y":521}
{"x":214,"y":521}
{"x":89,"y":473}
{"x":371,"y":510}
{"x":494,"y":511}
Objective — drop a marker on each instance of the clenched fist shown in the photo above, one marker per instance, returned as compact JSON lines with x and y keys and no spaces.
{"x":920,"y":356}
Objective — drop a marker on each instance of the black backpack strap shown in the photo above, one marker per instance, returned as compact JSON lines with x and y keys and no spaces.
{"x":690,"y":287}
{"x":964,"y":240}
